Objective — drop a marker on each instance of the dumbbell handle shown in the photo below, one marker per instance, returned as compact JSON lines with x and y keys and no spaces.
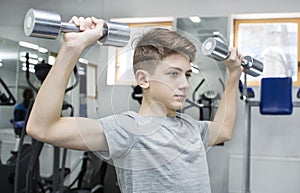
{"x":219,"y":51}
{"x":71,"y":27}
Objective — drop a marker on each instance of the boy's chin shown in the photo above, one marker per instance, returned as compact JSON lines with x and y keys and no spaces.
{"x":179,"y":108}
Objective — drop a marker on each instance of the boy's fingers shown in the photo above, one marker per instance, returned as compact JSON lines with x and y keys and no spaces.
{"x":74,"y":20}
{"x":82,"y":23}
{"x":88,"y":23}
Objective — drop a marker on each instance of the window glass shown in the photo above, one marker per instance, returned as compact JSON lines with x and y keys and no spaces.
{"x":273,"y":43}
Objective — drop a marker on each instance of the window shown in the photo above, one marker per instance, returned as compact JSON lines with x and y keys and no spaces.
{"x":275,"y":42}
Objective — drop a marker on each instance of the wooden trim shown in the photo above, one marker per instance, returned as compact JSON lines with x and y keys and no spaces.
{"x":91,"y":90}
{"x":149,"y":24}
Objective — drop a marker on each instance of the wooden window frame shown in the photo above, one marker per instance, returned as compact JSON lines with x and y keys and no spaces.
{"x":237,"y":22}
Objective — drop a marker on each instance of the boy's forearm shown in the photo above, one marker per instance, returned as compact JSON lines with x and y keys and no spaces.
{"x":48,"y":103}
{"x":225,"y":116}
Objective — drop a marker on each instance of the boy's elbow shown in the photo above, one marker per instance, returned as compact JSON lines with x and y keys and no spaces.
{"x":226,"y":136}
{"x":31,"y":131}
{"x":34,"y":131}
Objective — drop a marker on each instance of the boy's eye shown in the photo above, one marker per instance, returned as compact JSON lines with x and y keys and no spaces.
{"x":173,"y":74}
{"x":188,"y":76}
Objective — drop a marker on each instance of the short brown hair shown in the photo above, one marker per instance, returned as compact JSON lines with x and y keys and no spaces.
{"x":158,"y":43}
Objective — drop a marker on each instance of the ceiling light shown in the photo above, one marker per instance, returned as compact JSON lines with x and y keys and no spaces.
{"x":28,"y":45}
{"x":33,"y":61}
{"x":195,"y":19}
{"x":40,"y":59}
{"x":84,"y":61}
{"x":23,"y":59}
{"x":43,"y":50}
{"x":51,"y":60}
{"x":195,"y":69}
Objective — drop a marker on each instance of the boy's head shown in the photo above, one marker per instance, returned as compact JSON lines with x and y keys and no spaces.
{"x":161,"y":65}
{"x":158,"y":43}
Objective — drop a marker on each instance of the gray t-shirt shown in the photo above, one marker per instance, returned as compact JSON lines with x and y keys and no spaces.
{"x":157,"y":154}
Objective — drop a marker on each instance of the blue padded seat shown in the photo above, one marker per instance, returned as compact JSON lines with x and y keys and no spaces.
{"x":276,"y":96}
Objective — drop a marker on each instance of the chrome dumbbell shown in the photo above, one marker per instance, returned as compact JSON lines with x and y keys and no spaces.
{"x":48,"y":24}
{"x":219,"y":51}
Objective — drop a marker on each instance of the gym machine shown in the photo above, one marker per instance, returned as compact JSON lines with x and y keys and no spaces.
{"x":275,"y":97}
{"x":4,"y":99}
{"x":48,"y":24}
{"x":33,"y":180}
{"x":7,"y":171}
{"x":207,"y":102}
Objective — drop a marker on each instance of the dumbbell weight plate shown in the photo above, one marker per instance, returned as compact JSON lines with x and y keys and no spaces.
{"x":43,"y":24}
{"x":115,"y":34}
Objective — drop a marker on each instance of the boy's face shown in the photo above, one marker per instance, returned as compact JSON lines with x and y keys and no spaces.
{"x":169,"y":84}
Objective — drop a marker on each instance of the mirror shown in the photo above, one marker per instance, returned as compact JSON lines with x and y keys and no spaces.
{"x":9,"y":50}
{"x":207,"y":81}
{"x":13,"y":72}
{"x":35,"y":55}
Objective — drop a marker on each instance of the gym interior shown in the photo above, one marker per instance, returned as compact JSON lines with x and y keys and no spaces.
{"x":263,"y":155}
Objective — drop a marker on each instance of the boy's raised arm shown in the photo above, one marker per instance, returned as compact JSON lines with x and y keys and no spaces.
{"x":221,"y":129}
{"x":45,"y":122}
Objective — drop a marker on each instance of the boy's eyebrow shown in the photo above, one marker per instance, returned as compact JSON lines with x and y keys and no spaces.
{"x":179,"y":69}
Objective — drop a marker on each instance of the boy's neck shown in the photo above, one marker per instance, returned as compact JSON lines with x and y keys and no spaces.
{"x":155,"y":109}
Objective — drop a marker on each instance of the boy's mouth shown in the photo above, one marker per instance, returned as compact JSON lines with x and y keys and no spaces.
{"x":180,"y":97}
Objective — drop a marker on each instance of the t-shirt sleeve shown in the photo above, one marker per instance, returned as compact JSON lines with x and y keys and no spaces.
{"x":203,"y":126}
{"x":118,"y":138}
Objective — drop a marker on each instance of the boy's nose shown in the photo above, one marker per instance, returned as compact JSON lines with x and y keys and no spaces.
{"x":184,"y":83}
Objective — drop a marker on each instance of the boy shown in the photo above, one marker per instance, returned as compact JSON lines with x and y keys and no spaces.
{"x":156,"y":149}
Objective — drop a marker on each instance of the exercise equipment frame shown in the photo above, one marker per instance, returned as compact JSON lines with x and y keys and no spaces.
{"x":249,"y":103}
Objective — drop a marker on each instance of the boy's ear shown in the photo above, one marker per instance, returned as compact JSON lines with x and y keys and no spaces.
{"x":142,"y":78}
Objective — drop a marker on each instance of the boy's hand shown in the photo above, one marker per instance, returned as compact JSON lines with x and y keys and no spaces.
{"x":91,"y":29}
{"x":233,"y":63}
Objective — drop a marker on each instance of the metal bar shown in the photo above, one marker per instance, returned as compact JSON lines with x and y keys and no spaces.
{"x":296,"y":104}
{"x":247,"y":150}
{"x":247,"y":145}
{"x":56,"y":161}
{"x":253,"y":103}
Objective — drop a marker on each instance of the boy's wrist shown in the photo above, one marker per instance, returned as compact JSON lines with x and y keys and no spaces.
{"x":72,"y":48}
{"x":234,"y":75}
